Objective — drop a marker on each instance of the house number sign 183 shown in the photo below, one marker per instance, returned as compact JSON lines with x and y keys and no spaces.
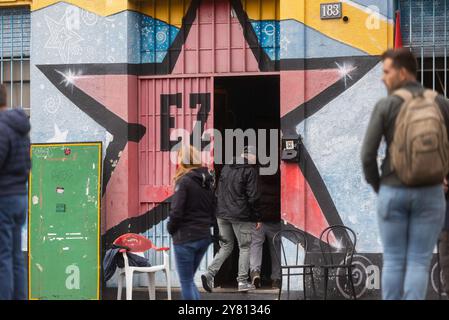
{"x":331,"y":10}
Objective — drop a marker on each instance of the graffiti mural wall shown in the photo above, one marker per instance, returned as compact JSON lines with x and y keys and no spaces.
{"x":100,"y":69}
{"x":329,"y":84}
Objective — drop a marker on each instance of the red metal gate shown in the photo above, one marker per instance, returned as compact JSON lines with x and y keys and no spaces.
{"x":165,"y":105}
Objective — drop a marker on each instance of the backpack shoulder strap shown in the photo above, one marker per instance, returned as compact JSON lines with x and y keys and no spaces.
{"x":430,"y":94}
{"x":404,"y":94}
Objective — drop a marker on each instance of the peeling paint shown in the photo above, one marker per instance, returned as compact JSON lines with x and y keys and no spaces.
{"x":87,"y":188}
{"x":39,"y":267}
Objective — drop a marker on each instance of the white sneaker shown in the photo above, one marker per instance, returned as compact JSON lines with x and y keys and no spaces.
{"x":246,"y":286}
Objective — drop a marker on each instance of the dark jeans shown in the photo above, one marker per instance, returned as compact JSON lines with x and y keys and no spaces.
{"x":188,"y":257}
{"x":13,"y":210}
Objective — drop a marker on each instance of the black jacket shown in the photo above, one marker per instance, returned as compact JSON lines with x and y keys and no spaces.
{"x":15,"y":161}
{"x":192,"y":211}
{"x":382,"y":125}
{"x":113,"y":259}
{"x":269,"y":204}
{"x":237,"y":193}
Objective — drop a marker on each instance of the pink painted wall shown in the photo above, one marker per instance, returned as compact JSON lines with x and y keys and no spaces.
{"x":216,"y":43}
{"x":119,"y":94}
{"x":295,"y":90}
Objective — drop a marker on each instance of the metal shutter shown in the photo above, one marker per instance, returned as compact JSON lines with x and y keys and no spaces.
{"x":15,"y":32}
{"x":424,"y":26}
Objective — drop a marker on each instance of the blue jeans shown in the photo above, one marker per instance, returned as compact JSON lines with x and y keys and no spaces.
{"x":188,"y":257}
{"x":446,"y":219}
{"x":13,"y":210}
{"x":410,"y":221}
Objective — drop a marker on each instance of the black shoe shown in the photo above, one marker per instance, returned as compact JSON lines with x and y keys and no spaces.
{"x":256,"y":282}
{"x":255,"y":278}
{"x":207,"y":283}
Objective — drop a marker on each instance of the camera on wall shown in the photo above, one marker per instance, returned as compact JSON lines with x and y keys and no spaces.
{"x":290,"y":147}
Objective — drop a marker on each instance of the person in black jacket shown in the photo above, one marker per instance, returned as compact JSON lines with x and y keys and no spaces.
{"x":269,"y":207}
{"x":15,"y":165}
{"x":191,"y":217}
{"x":236,"y":199}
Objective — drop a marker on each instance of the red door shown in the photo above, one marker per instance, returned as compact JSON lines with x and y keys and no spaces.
{"x":168,"y":108}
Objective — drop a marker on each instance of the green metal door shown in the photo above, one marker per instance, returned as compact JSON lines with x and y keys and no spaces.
{"x":64,"y":221}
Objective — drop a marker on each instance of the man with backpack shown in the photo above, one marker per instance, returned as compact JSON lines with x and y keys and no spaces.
{"x":414,"y":122}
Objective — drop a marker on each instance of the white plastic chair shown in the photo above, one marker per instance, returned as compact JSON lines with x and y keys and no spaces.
{"x":138,"y":245}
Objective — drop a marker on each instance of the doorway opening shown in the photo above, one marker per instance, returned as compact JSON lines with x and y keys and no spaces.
{"x":249,"y":102}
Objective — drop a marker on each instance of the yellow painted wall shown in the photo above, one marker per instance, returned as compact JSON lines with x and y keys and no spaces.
{"x":11,"y":3}
{"x":262,"y":9}
{"x":100,"y":7}
{"x":170,"y":12}
{"x":354,"y":33}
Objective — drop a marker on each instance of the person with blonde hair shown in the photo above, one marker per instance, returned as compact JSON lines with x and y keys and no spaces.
{"x":191,"y":217}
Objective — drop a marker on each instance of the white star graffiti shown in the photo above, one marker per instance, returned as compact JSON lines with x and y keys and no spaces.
{"x":61,"y":38}
{"x":59,"y":135}
{"x":345,"y":71}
